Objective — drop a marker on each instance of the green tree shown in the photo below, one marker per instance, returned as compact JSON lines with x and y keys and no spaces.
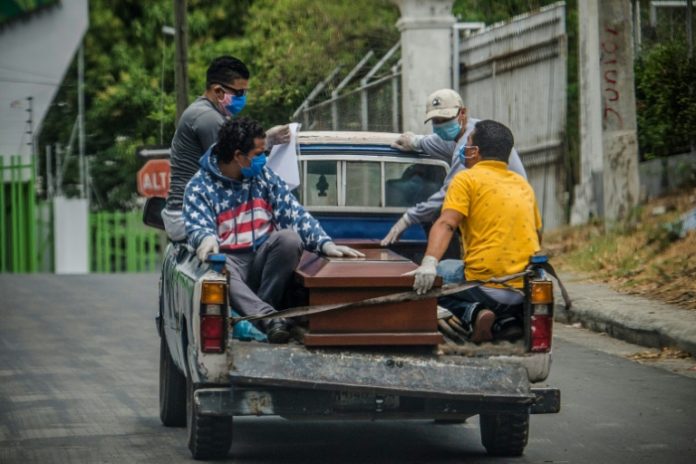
{"x":665,"y":99}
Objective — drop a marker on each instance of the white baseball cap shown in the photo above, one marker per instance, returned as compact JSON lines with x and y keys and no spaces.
{"x":443,"y":103}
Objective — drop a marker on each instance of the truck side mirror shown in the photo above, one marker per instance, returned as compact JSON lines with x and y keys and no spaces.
{"x":152,"y":213}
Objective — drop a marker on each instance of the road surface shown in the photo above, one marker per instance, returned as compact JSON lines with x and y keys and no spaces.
{"x":79,"y":373}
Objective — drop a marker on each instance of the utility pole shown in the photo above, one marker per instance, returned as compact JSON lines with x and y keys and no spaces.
{"x":181,"y":62}
{"x":81,"y":120}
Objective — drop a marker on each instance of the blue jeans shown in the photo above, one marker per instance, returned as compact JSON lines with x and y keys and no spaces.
{"x":467,"y":303}
{"x":451,"y":271}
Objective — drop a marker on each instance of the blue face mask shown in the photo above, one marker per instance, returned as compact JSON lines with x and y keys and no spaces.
{"x":462,"y":153}
{"x":256,"y":167}
{"x":236,"y":104}
{"x":447,"y":130}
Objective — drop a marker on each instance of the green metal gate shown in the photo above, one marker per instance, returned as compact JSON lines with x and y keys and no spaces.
{"x":18,"y":250}
{"x":120,"y":242}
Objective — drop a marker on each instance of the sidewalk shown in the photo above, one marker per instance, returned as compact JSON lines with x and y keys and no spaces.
{"x":631,"y":318}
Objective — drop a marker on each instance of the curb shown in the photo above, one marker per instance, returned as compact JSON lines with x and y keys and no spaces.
{"x":630,"y":318}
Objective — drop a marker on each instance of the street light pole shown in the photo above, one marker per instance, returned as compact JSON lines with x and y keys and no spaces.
{"x":181,"y":71}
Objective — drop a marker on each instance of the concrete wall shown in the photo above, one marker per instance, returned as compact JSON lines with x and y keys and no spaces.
{"x":662,"y":175}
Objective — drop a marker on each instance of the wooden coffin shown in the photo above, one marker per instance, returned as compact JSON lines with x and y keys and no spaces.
{"x":341,"y":280}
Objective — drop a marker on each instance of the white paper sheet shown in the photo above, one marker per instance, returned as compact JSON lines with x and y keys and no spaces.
{"x":283,"y":159}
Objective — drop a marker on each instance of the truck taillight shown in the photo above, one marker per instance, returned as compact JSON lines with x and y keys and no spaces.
{"x":213,"y":293}
{"x":541,"y":292}
{"x":213,"y":310}
{"x":541,"y":296}
{"x":212,"y":333}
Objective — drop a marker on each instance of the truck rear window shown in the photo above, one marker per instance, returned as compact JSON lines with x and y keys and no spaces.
{"x":365,"y":185}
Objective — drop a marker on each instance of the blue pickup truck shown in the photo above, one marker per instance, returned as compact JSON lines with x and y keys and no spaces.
{"x":212,"y":370}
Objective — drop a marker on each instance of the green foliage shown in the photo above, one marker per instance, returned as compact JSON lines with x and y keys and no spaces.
{"x":665,"y":99}
{"x":291,"y":45}
{"x":662,"y":235}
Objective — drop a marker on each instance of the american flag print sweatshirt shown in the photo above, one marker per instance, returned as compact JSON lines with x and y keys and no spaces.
{"x":243,"y":214}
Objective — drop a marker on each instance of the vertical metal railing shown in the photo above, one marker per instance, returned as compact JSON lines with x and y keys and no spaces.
{"x":18,"y":250}
{"x":119,"y":242}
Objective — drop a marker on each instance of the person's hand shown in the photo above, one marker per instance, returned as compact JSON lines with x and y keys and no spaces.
{"x":338,"y":251}
{"x":425,"y":275}
{"x":208,"y":245}
{"x":408,"y":141}
{"x":397,"y":229}
{"x":277,"y":135}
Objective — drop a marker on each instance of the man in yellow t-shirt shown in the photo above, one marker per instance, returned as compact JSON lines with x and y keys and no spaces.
{"x":497,"y":215}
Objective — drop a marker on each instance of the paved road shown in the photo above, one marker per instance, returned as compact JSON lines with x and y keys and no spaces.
{"x":78,"y":384}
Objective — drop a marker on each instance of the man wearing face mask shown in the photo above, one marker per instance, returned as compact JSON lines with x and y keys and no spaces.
{"x":497,"y":214}
{"x":227,"y":81}
{"x":451,"y":127}
{"x":235,"y":205}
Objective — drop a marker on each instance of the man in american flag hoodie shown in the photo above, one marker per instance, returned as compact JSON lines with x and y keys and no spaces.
{"x":235,"y":205}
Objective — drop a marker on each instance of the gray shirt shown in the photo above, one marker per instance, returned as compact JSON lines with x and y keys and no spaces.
{"x":433,"y":145}
{"x":197,"y":130}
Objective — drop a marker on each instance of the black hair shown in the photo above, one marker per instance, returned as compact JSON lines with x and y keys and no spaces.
{"x":494,"y":140}
{"x":224,"y":70}
{"x":237,"y":134}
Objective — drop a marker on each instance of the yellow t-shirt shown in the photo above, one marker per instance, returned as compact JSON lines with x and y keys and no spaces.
{"x":500,"y":223}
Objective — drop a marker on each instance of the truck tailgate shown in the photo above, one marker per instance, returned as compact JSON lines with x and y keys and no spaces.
{"x":412,"y":374}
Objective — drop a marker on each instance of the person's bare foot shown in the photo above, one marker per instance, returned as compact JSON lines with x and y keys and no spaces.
{"x":483,"y":325}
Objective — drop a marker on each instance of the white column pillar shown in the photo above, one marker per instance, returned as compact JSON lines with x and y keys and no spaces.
{"x":588,"y":194}
{"x":71,"y":235}
{"x":609,"y":183}
{"x":620,"y":140}
{"x":426,"y":55}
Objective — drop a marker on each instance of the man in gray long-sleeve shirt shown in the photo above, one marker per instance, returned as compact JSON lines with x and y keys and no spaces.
{"x":451,"y":127}
{"x":227,"y":80}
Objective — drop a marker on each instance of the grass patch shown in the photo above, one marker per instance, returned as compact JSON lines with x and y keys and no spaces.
{"x":643,"y":255}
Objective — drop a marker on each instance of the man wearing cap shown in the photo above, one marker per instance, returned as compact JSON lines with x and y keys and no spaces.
{"x":451,"y":128}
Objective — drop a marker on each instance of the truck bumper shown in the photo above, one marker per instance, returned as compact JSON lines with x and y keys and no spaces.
{"x":303,"y":403}
{"x":293,"y":381}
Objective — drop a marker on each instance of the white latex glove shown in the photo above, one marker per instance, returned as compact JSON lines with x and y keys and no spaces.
{"x":208,"y":245}
{"x":397,"y":229}
{"x":425,"y":275}
{"x":408,"y":141}
{"x":277,"y":135}
{"x":337,"y":251}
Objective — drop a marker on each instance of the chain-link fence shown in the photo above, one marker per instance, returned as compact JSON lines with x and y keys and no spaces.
{"x":372,"y":103}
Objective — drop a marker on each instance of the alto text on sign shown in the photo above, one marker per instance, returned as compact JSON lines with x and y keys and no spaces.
{"x":153,"y":178}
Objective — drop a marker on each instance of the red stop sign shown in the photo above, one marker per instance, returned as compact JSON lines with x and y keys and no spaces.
{"x":153,"y":178}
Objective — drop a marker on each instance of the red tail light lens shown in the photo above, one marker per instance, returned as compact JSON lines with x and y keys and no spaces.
{"x":542,"y":332}
{"x":212,"y":333}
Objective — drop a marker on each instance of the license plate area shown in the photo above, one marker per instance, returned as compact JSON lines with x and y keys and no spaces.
{"x":362,"y":401}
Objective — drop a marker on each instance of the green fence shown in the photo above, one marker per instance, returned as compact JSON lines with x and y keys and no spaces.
{"x":120,"y":242}
{"x":18,"y":247}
